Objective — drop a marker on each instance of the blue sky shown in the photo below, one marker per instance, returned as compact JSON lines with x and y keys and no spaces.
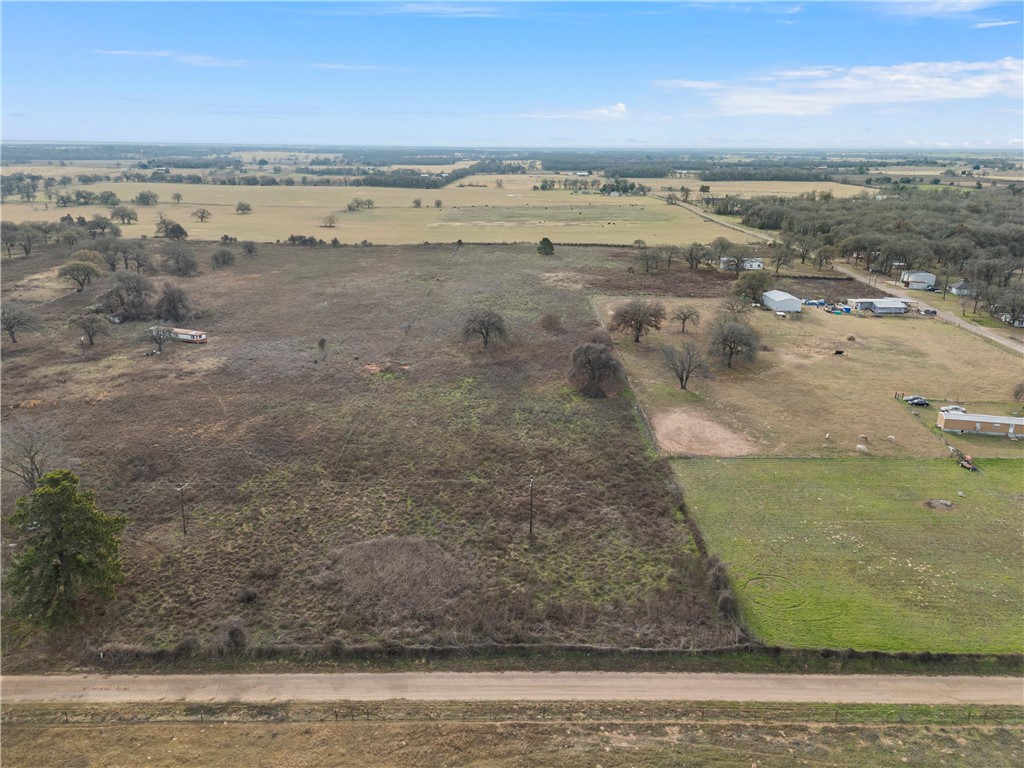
{"x":822,"y":74}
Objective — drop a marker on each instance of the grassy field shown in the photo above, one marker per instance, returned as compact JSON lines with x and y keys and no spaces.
{"x":799,"y":390}
{"x":377,"y":489}
{"x":848,"y":553}
{"x":637,"y":735}
{"x":756,"y":188}
{"x":515,"y":213}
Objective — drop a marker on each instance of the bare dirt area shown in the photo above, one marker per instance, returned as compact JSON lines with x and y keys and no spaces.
{"x":335,"y":435}
{"x":682,"y":432}
{"x":516,"y":686}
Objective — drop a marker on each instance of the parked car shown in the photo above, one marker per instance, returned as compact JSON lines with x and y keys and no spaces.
{"x":953,"y":409}
{"x":908,"y":398}
{"x":920,"y":402}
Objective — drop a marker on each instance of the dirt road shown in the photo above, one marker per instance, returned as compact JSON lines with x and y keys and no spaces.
{"x":507,"y":686}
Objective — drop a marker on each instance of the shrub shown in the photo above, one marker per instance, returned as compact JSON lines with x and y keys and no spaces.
{"x":234,"y":638}
{"x":223,"y":257}
{"x":551,"y":322}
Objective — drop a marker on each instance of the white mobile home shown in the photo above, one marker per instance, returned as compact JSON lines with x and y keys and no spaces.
{"x":192,"y":337}
{"x":780,"y":301}
{"x":880,"y":306}
{"x":980,"y":424}
{"x":917,"y":281}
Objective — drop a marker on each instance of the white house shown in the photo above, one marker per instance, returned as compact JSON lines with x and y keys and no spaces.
{"x":917,"y":281}
{"x":1007,"y":318}
{"x":728,"y":263}
{"x":780,"y":301}
{"x":880,"y":306}
{"x":979,"y":424}
{"x":961,"y":288}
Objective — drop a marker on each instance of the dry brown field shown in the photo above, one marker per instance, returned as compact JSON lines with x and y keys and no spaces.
{"x":799,"y":390}
{"x":756,"y":188}
{"x":516,"y":213}
{"x":376,"y":489}
{"x":557,"y":734}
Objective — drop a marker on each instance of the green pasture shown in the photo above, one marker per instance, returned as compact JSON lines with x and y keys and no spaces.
{"x":846,"y":552}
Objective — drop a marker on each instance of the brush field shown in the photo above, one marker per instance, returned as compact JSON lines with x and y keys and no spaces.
{"x":377,"y":488}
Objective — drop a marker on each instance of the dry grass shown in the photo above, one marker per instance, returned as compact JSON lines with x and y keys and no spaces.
{"x":515,"y":213}
{"x":408,"y":453}
{"x":799,"y":391}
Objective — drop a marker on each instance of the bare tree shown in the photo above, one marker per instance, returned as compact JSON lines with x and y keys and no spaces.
{"x":130,"y":293}
{"x":15,"y":318}
{"x":1018,"y":391}
{"x":595,"y":371}
{"x":734,"y":308}
{"x":696,"y":254}
{"x":90,"y":326}
{"x":328,"y":221}
{"x":648,"y":258}
{"x":159,"y":335}
{"x":637,"y":317}
{"x":730,"y":338}
{"x":202,"y":214}
{"x":485,"y":323}
{"x":685,"y":363}
{"x":686,"y":315}
{"x":31,"y":448}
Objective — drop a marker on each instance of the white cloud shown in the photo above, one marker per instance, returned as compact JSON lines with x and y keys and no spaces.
{"x":823,"y":90}
{"x":600,"y":114}
{"x":988,"y":24}
{"x":193,"y":59}
{"x":939,"y":8}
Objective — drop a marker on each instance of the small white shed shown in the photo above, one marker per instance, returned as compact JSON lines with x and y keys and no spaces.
{"x":780,"y":301}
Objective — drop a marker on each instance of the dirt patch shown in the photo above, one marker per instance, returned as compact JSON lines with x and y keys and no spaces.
{"x":939,"y":504}
{"x":680,"y":432}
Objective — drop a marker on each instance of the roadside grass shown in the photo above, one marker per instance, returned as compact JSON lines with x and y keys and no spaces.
{"x":377,"y":489}
{"x":845,"y":553}
{"x":611,"y":734}
{"x":799,"y":390}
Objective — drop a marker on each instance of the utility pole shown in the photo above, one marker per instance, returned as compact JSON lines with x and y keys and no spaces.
{"x":531,"y":508}
{"x":181,"y":501}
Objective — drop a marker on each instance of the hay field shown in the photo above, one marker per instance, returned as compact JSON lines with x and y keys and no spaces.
{"x":848,"y":552}
{"x":757,"y":188}
{"x":376,"y":489}
{"x":793,"y":395}
{"x":470,"y":213}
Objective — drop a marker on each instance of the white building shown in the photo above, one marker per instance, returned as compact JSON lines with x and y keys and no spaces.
{"x":917,"y":281}
{"x":880,"y":306}
{"x":780,"y":301}
{"x":728,"y":263}
{"x":961,"y":288}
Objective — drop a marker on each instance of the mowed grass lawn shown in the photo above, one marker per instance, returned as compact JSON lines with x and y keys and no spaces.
{"x":798,"y":390}
{"x":845,"y":553}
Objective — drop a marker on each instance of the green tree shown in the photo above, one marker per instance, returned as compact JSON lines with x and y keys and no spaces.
{"x":8,"y":235}
{"x":637,"y":317}
{"x":147,"y":197}
{"x":243,"y":207}
{"x":174,"y":304}
{"x":78,"y":272}
{"x":752,"y":284}
{"x":177,"y":197}
{"x":546,"y":247}
{"x":124,"y":213}
{"x":70,"y":553}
